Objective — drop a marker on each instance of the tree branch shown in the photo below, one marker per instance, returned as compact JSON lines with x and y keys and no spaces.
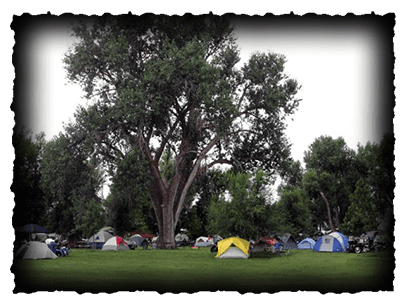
{"x":165,"y":140}
{"x":153,"y":165}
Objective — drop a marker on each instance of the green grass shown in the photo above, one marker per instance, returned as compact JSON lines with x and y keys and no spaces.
{"x":188,"y":270}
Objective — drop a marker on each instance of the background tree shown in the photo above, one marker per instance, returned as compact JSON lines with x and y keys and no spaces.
{"x":162,"y":83}
{"x":128,"y":204}
{"x":376,"y":162}
{"x":295,"y":215}
{"x":362,"y":214}
{"x":93,"y":219}
{"x":241,"y":210}
{"x":29,"y":198}
{"x":71,"y":182}
{"x":330,"y":178}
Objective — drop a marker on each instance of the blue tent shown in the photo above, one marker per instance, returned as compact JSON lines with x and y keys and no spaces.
{"x":344,"y":240}
{"x":137,"y":239}
{"x":306,"y":243}
{"x":331,"y":243}
{"x":287,"y":241}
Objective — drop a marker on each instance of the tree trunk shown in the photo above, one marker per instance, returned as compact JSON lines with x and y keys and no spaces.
{"x":167,"y":233}
{"x":332,"y":226}
{"x":168,"y":199}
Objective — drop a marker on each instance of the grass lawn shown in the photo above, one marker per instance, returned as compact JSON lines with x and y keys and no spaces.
{"x":194,"y":270}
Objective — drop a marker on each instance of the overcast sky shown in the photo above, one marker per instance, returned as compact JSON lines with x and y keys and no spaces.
{"x":341,"y":64}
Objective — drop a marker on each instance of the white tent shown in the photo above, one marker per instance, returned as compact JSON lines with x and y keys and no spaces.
{"x":181,"y":237}
{"x":115,"y":243}
{"x":203,"y":241}
{"x":233,"y":253}
{"x":100,"y":237}
{"x":34,"y":251}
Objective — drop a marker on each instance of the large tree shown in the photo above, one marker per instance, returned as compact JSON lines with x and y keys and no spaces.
{"x":71,"y":182}
{"x":242,"y":209}
{"x":161,"y":83}
{"x":29,"y":197}
{"x":330,"y":178}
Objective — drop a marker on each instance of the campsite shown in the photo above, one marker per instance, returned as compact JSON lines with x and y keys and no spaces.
{"x":178,"y":172}
{"x":187,"y":270}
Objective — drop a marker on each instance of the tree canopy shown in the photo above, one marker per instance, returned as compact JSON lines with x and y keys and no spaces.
{"x":159,"y":83}
{"x":29,"y":197}
{"x":350,"y":191}
{"x":240,"y":210}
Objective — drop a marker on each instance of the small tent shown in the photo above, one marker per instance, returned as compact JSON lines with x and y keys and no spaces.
{"x":100,"y":237}
{"x":137,"y":239}
{"x":287,"y":241}
{"x":181,"y":237}
{"x":233,"y":248}
{"x":34,"y":251}
{"x":306,"y":243}
{"x":331,"y":243}
{"x":115,"y":243}
{"x":203,"y":241}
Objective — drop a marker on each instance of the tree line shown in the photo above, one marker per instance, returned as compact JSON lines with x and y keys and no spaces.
{"x":335,"y":188}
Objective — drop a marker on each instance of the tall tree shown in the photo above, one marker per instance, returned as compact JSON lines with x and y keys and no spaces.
{"x":71,"y":182}
{"x":129,"y":192}
{"x":377,"y":161}
{"x":29,"y":197}
{"x":163,"y":83}
{"x":362,"y":214}
{"x":331,"y":176}
{"x":241,"y":209}
{"x":296,"y":216}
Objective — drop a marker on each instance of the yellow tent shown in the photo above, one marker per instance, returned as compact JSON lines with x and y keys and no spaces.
{"x":242,"y":244}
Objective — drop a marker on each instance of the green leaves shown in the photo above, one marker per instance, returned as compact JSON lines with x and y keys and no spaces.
{"x":241,"y":210}
{"x":362,"y":213}
{"x":162,"y":83}
{"x":70,"y":181}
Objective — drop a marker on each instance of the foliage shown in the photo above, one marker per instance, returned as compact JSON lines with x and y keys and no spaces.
{"x":294,"y":213}
{"x":129,"y":203}
{"x":241,"y":210}
{"x":71,"y":182}
{"x":359,"y":187}
{"x":377,"y":161}
{"x":29,"y":198}
{"x":331,"y":171}
{"x":93,"y":219}
{"x":362,"y":215}
{"x":171,"y":83}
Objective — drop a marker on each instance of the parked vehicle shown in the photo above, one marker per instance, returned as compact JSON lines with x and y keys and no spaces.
{"x":363,"y":244}
{"x":214,"y":247}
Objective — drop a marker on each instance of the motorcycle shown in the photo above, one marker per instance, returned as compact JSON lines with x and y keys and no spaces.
{"x":60,"y":249}
{"x":359,"y":246}
{"x":214,"y":247}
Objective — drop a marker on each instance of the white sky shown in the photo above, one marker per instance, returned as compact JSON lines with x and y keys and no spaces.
{"x":334,"y":67}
